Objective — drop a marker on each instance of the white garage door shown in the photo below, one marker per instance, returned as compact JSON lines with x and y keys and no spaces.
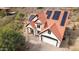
{"x":49,"y":40}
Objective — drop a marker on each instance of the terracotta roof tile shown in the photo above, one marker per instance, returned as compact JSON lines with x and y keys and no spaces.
{"x":55,"y":29}
{"x":42,"y":17}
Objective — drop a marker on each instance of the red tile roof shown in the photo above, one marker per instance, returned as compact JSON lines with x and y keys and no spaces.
{"x":42,"y":16}
{"x":51,"y":24}
{"x":55,"y":29}
{"x":55,"y":26}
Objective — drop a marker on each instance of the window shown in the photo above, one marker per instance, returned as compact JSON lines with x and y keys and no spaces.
{"x":49,"y":32}
{"x":56,"y":15}
{"x":38,"y":25}
{"x":48,"y":14}
{"x":64,"y":18}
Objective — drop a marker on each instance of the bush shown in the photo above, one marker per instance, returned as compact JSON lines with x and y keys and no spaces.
{"x":19,"y":15}
{"x":5,"y":20}
{"x":69,"y":38}
{"x":11,"y":40}
{"x":16,"y":26}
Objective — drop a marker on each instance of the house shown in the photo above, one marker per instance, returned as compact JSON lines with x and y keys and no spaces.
{"x":7,"y":10}
{"x":56,"y":24}
{"x":4,"y":9}
{"x":49,"y":26}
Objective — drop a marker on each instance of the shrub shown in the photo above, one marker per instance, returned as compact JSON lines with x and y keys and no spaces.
{"x":19,"y":15}
{"x":16,"y":26}
{"x":69,"y":38}
{"x":11,"y":40}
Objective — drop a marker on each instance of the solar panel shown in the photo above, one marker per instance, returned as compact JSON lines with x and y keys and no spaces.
{"x":64,"y":18}
{"x":48,"y":14}
{"x":32,"y":17}
{"x":56,"y":15}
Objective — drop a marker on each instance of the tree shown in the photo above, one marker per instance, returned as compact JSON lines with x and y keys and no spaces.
{"x":11,"y":40}
{"x":69,"y":38}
